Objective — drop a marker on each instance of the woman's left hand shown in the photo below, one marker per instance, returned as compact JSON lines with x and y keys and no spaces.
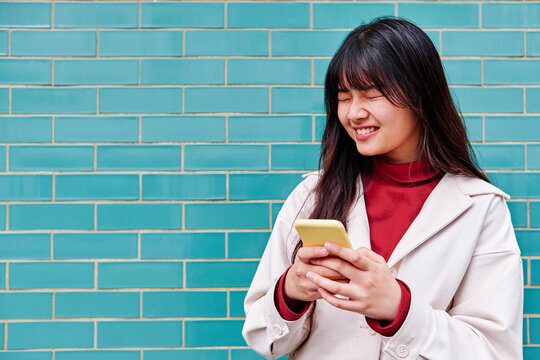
{"x":372,"y":289}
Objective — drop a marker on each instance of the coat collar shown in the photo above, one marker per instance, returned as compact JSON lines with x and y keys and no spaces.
{"x":448,"y":200}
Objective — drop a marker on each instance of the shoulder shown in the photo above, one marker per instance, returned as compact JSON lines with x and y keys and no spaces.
{"x":473,"y":186}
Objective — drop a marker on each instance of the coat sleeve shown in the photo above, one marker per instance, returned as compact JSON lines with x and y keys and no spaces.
{"x":485,"y":319}
{"x":265,"y":331}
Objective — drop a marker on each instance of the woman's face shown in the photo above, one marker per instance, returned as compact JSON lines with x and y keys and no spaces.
{"x":377,"y":126}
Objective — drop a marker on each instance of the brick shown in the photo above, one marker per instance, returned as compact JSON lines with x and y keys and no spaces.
{"x":97,"y":187}
{"x":25,"y":187}
{"x":227,"y":216}
{"x":25,"y":14}
{"x":51,"y":216}
{"x":298,"y":100}
{"x":519,"y":185}
{"x":96,"y":129}
{"x":50,"y":334}
{"x":139,"y":334}
{"x":53,"y":101}
{"x":53,"y":43}
{"x":529,"y":242}
{"x":140,"y":100}
{"x":518,"y":210}
{"x":488,"y":100}
{"x":268,"y":15}
{"x":463,"y":71}
{"x":269,"y":71}
{"x":531,"y":303}
{"x":533,"y":156}
{"x":25,"y":71}
{"x":2,"y":218}
{"x":237,"y":303}
{"x":4,"y":41}
{"x":483,"y":43}
{"x":226,"y":157}
{"x":226,"y":42}
{"x":140,"y":274}
{"x":226,"y":99}
{"x":247,"y":244}
{"x":27,"y":129}
{"x":183,"y":245}
{"x":262,"y":186}
{"x":534,"y":207}
{"x":276,"y":208}
{"x":188,"y":354}
{"x":512,"y":128}
{"x":510,"y":15}
{"x":214,"y":333}
{"x":97,"y":354}
{"x":440,"y":15}
{"x":295,"y":157}
{"x":51,"y":158}
{"x":139,"y":157}
{"x":184,"y":187}
{"x":347,"y":16}
{"x":524,"y":265}
{"x":96,"y":15}
{"x":4,"y":101}
{"x":534,"y":330}
{"x":535,"y":272}
{"x":25,"y":246}
{"x":139,"y":216}
{"x":140,"y":43}
{"x":191,"y":304}
{"x":95,"y":245}
{"x":498,"y":157}
{"x":96,"y":304}
{"x":182,"y":71}
{"x":269,"y":128}
{"x":3,"y":158}
{"x":182,"y":15}
{"x":320,"y":67}
{"x":511,"y":71}
{"x":533,"y":100}
{"x":306,"y":42}
{"x":2,"y":278}
{"x":46,"y":275}
{"x":533,"y":43}
{"x":183,"y":128}
{"x":96,"y":72}
{"x":202,"y":274}
{"x":531,"y":352}
{"x":24,"y":355}
{"x":474,"y":127}
{"x":26,"y":305}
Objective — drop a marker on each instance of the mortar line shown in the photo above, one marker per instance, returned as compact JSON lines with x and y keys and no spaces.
{"x":311,"y":15}
{"x":225,"y":14}
{"x":480,"y":25}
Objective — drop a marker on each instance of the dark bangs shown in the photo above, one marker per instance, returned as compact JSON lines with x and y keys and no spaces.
{"x":360,"y":65}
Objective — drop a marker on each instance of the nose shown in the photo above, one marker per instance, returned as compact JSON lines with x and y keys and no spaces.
{"x":357,"y":110}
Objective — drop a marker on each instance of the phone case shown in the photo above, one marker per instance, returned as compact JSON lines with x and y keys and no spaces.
{"x":315,"y":232}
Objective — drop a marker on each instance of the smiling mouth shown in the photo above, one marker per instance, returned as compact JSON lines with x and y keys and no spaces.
{"x":366,"y":131}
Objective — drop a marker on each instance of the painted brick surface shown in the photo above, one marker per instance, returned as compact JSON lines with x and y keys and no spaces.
{"x":146,"y":149}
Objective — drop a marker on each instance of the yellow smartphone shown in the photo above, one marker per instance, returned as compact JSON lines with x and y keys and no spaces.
{"x":315,"y":232}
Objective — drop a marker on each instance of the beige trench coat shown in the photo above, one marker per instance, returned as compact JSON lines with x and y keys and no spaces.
{"x":459,"y":257}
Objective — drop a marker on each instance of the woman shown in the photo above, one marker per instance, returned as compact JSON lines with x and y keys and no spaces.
{"x":436,"y":273}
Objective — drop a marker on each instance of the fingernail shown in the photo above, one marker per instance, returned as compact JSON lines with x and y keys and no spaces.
{"x":329,"y":246}
{"x":323,"y":252}
{"x":310,"y":275}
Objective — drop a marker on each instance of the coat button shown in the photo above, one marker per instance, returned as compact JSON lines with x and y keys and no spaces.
{"x":276,"y":329}
{"x":393,"y":271}
{"x":402,"y":351}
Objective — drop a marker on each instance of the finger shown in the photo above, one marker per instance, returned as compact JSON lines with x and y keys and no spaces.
{"x":306,"y":253}
{"x":342,"y":267}
{"x":354,"y":257}
{"x":335,"y":301}
{"x":372,"y":255}
{"x":330,"y":285}
{"x":325,"y":272}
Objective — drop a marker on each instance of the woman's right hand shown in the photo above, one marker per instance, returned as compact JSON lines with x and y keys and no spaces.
{"x":297,"y":286}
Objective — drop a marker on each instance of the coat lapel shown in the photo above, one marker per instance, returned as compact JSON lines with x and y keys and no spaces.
{"x":445,"y":203}
{"x":357,"y":222}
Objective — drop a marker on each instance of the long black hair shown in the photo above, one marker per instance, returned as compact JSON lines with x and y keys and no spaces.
{"x":398,"y":59}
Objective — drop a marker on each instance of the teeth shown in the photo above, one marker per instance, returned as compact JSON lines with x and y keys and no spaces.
{"x":365,"y":131}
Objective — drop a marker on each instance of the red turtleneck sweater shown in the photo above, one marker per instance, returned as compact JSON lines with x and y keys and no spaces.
{"x":393,"y":197}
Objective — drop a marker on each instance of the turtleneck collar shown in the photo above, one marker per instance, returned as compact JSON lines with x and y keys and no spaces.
{"x":405,"y":173}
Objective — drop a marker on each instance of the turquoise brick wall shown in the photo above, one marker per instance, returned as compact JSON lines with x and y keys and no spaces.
{"x":147,"y":147}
